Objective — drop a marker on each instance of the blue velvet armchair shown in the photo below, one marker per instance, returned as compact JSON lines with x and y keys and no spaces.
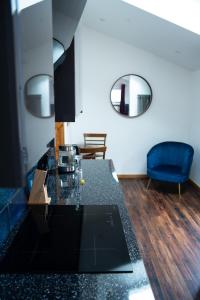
{"x":170,"y":162}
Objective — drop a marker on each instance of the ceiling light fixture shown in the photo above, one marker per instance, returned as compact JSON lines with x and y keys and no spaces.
{"x":184,"y":13}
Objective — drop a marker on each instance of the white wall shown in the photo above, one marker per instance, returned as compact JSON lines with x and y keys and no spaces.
{"x":36,"y":59}
{"x":103,"y":60}
{"x":61,"y":25}
{"x":195,"y":126}
{"x":78,"y":66}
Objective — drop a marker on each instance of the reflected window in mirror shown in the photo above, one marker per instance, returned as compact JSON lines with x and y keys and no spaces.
{"x":131,"y":95}
{"x":58,"y":50}
{"x":39,"y":96}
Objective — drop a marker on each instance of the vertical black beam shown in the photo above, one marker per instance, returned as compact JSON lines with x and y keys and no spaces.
{"x":64,"y":87}
{"x":10,"y":155}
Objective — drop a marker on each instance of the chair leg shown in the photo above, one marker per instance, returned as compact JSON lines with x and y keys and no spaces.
{"x":179,"y":190}
{"x":148,"y":184}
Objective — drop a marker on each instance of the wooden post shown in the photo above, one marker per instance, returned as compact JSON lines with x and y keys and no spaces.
{"x":59,"y":128}
{"x":148,"y":184}
{"x":179,"y":190}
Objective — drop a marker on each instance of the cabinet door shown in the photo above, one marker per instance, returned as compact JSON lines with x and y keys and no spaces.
{"x":64,"y":88}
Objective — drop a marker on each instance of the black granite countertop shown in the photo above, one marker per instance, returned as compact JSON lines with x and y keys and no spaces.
{"x":101,"y":187}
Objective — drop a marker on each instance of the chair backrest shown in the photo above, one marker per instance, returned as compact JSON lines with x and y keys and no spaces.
{"x":171,"y":153}
{"x":96,"y":139}
{"x":93,"y":152}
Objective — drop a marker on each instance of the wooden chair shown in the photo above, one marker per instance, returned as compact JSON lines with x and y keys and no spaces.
{"x":92,"y":152}
{"x":96,"y":140}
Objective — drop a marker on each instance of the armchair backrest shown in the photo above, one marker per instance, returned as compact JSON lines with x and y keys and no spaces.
{"x":171,"y":153}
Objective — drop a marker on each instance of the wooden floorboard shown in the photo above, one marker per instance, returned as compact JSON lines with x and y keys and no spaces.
{"x":168,"y":233}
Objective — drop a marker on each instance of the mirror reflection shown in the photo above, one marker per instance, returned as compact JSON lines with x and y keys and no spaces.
{"x":131,"y":95}
{"x":39,"y":96}
{"x":58,"y":50}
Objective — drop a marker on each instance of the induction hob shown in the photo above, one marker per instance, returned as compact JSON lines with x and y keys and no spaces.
{"x":67,"y":238}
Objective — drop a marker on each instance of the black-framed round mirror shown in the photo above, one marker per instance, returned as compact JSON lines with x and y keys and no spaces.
{"x":131,"y":95}
{"x":39,"y":96}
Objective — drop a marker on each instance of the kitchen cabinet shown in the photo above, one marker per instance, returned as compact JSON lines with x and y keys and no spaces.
{"x":64,"y":87}
{"x":66,"y":15}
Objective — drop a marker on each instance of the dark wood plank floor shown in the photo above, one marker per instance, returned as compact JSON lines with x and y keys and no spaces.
{"x":168,"y":233}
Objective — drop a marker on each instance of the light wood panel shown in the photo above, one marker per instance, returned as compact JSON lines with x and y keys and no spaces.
{"x":59,"y":133}
{"x":38,"y":194}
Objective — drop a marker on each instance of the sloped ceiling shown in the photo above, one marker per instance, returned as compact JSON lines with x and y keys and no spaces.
{"x":144,"y":30}
{"x":37,"y":15}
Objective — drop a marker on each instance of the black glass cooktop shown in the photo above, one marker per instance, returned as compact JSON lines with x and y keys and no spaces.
{"x":66,"y":238}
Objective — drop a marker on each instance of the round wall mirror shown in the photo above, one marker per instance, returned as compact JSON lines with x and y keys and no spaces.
{"x":39,"y":97}
{"x":131,"y":95}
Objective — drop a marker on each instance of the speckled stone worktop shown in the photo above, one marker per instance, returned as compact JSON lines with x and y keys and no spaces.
{"x":101,"y":187}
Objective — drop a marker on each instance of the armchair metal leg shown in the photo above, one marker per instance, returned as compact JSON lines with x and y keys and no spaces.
{"x":179,"y":190}
{"x":148,"y":184}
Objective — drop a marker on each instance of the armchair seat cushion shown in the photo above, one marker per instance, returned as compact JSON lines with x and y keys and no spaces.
{"x":168,"y":173}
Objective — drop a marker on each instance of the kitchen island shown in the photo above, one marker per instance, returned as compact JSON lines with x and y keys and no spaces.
{"x":101,"y":188}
